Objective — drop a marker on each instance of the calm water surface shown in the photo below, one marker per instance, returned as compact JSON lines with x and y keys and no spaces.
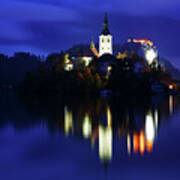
{"x":92,"y":138}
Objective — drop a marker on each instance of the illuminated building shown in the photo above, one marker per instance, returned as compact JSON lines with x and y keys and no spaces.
{"x":149,"y":51}
{"x":105,"y":40}
{"x":141,"y":48}
{"x":143,"y":41}
{"x":68,"y":64}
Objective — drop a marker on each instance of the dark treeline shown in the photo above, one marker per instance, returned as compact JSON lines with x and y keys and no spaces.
{"x":52,"y":78}
{"x":14,"y":69}
{"x":131,"y":75}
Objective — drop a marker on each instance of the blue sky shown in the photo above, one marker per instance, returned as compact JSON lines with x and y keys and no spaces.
{"x":45,"y":26}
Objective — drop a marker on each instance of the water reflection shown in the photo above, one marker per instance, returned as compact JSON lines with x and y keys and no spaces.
{"x":136,"y":125}
{"x":87,"y":127}
{"x":104,"y":123}
{"x":171,"y":104}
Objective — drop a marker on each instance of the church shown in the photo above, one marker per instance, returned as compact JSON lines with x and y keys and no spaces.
{"x":105,"y":47}
{"x":105,"y":52}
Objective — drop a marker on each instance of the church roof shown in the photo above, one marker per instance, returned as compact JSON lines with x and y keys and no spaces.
{"x":105,"y":31}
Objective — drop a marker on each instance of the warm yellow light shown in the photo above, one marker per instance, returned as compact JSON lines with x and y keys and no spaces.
{"x":105,"y":143}
{"x":170,"y":86}
{"x":68,"y":121}
{"x":109,"y":68}
{"x":136,"y":143}
{"x":149,"y":145}
{"x":141,"y":142}
{"x":109,"y":117}
{"x":87,"y":127}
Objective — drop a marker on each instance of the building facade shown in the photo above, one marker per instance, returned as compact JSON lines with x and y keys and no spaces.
{"x":105,"y":40}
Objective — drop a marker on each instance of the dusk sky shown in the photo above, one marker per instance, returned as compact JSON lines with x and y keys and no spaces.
{"x":45,"y":26}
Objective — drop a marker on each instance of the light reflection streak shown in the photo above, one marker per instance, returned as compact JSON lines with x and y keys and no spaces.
{"x":68,"y":121}
{"x":105,"y":143}
{"x":129,"y":144}
{"x":171,"y":109}
{"x":136,"y":142}
{"x":149,"y":127}
{"x":87,"y":127}
{"x":139,"y":140}
{"x":142,"y":142}
{"x":156,"y":119}
{"x":106,"y":139}
{"x":150,"y":131}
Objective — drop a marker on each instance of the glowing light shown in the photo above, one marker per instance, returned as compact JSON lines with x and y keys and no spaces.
{"x":87,"y":127}
{"x":170,"y":86}
{"x":149,"y":127}
{"x":143,"y":41}
{"x":149,"y":145}
{"x":151,"y":55}
{"x":69,"y":66}
{"x":141,"y":142}
{"x":109,"y":69}
{"x":136,"y":143}
{"x":68,"y":121}
{"x":87,"y":60}
{"x":109,"y":117}
{"x":105,"y":143}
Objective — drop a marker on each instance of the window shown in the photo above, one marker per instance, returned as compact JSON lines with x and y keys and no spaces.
{"x":108,"y":40}
{"x":103,"y":40}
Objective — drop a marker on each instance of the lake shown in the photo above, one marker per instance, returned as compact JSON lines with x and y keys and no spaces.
{"x":89,"y":138}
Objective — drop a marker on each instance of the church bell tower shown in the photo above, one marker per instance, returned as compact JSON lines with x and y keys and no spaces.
{"x":105,"y":39}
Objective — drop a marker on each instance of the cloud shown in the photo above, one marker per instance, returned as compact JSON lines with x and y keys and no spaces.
{"x":13,"y":31}
{"x":29,"y":11}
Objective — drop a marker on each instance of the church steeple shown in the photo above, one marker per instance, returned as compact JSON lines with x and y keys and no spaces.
{"x":105,"y":31}
{"x":105,"y":39}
